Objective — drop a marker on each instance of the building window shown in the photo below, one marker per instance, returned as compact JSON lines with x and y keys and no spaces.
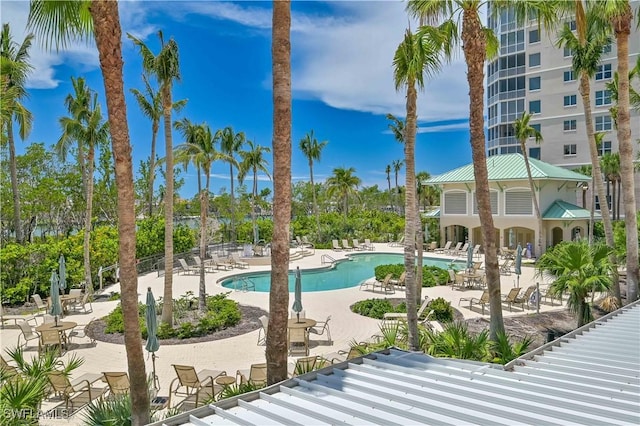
{"x":570,"y":125}
{"x":603,"y":72}
{"x":606,"y":48}
{"x":493,"y":196}
{"x":603,"y":123}
{"x":569,"y":76}
{"x":570,"y":149}
{"x":518,"y":202}
{"x":604,"y":148}
{"x":567,"y":52}
{"x":603,"y":97}
{"x":572,"y":25}
{"x":597,"y":202}
{"x":534,"y":36}
{"x":537,"y":127}
{"x":534,"y":83}
{"x":455,"y":202}
{"x":534,"y":107}
{"x":534,"y":60}
{"x":570,"y":100}
{"x":534,"y":153}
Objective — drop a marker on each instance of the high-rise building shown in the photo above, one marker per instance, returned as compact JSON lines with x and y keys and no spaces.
{"x":531,"y":73}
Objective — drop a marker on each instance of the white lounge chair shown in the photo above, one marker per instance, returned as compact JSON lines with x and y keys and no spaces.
{"x":335,"y":245}
{"x":444,"y":249}
{"x":188,"y":269}
{"x":403,"y":315}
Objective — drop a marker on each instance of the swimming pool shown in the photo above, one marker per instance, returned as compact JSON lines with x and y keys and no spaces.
{"x":346,"y":274}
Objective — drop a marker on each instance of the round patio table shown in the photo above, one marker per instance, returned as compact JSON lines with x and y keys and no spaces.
{"x":61,"y":327}
{"x":303,"y":323}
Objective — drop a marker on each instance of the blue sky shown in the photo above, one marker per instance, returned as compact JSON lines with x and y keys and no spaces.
{"x":342,"y":81}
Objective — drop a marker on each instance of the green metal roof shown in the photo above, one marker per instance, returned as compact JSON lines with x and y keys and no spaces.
{"x":510,"y":167}
{"x":563,"y":210}
{"x":432,"y":213}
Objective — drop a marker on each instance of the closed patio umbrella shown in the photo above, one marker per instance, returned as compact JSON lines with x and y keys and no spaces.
{"x":62,"y":271}
{"x":152,"y":334}
{"x":518,"y":265}
{"x":297,"y":303}
{"x":470,"y":256}
{"x":56,"y":306}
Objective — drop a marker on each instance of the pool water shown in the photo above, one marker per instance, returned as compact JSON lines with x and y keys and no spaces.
{"x":346,"y":274}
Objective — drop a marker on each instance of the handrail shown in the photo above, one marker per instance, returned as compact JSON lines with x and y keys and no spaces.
{"x":325,"y":258}
{"x":246,"y":285}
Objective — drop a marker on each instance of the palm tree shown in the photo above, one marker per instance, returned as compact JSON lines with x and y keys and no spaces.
{"x":343,"y":184}
{"x":86,"y":128}
{"x":397,"y":127}
{"x":620,"y":16}
{"x":79,"y":20}
{"x":166,"y":68}
{"x":586,"y":170}
{"x":231,"y":144}
{"x":199,"y":149}
{"x":523,"y":131}
{"x":276,"y":353}
{"x":397,"y":166}
{"x":15,"y":69}
{"x":477,"y":42}
{"x":253,"y":161}
{"x":577,"y":269}
{"x":610,"y":166}
{"x":387,"y":170}
{"x":417,"y":55}
{"x":312,"y":149}
{"x":150,"y":103}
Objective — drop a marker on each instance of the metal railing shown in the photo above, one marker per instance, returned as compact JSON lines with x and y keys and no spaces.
{"x":245,"y":285}
{"x":325,"y":258}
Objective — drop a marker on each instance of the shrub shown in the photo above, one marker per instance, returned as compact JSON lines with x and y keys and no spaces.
{"x":431,"y":275}
{"x":376,"y":308}
{"x":441,"y":310}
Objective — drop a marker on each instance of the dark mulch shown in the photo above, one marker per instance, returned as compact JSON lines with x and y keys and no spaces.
{"x":247,"y":324}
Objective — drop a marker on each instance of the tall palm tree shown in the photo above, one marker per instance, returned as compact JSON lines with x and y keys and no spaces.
{"x":397,"y":166}
{"x":100,"y":18}
{"x":15,"y":69}
{"x":586,"y":170}
{"x":577,"y":269}
{"x":199,"y":148}
{"x":276,"y":352}
{"x":588,"y":45}
{"x":417,"y":55}
{"x":343,"y":184}
{"x":150,"y":103}
{"x":610,"y":166}
{"x":477,"y":43}
{"x":523,"y":131}
{"x":166,"y":68}
{"x":620,"y":16}
{"x":312,"y":149}
{"x":387,"y":170}
{"x":397,"y":127}
{"x":85,"y":128}
{"x":231,"y":144}
{"x":253,"y":160}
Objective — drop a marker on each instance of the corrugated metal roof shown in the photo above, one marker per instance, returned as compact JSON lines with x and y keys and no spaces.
{"x":591,"y":376}
{"x":432,"y":213}
{"x":510,"y":167}
{"x":563,"y":210}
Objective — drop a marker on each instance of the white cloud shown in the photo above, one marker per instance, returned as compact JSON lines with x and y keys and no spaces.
{"x":444,"y":127}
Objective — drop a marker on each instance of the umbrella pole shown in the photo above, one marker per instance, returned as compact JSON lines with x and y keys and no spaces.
{"x":156,"y":381}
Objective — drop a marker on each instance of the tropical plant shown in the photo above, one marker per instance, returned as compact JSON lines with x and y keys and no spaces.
{"x":504,"y":351}
{"x":276,"y":352}
{"x":253,"y":160}
{"x":577,"y":269}
{"x":396,"y":165}
{"x":610,"y":166}
{"x":58,"y":23}
{"x":231,"y":144}
{"x":387,"y":170}
{"x":343,"y":184}
{"x":523,"y":131}
{"x":478,"y":42}
{"x":15,"y":68}
{"x":312,"y":149}
{"x":456,"y":341}
{"x":150,"y":103}
{"x":165,"y":67}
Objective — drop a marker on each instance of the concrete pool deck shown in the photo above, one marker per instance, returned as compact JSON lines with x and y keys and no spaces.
{"x":241,"y":351}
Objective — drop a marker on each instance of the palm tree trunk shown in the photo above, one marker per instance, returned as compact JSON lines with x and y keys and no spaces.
{"x":315,"y":203}
{"x":87,"y":221}
{"x":253,"y":206}
{"x":108,"y":36}
{"x":596,"y":173}
{"x":167,"y":306}
{"x":202,"y":288}
{"x":152,"y":165}
{"x":474,"y":46}
{"x":17,"y":223}
{"x":410,"y":218}
{"x":622,"y":28}
{"x":276,"y":352}
{"x":420,"y":244}
{"x":233,"y":203}
{"x":533,"y":195}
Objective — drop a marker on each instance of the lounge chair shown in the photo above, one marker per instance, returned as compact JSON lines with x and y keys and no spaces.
{"x":208,"y":265}
{"x":335,"y":245}
{"x":299,"y":241}
{"x":546,"y":294}
{"x":505,"y":268}
{"x":512,"y":297}
{"x":398,"y":243}
{"x":346,"y":246}
{"x":256,"y":375}
{"x":118,"y":382}
{"x":527,"y":298}
{"x":187,"y":269}
{"x":455,"y":250}
{"x":302,"y":366}
{"x":306,"y":241}
{"x":385,"y":285}
{"x":482,"y":301}
{"x":81,"y":304}
{"x":357,"y":245}
{"x":225,"y":266}
{"x":321,"y":327}
{"x":367,"y":244}
{"x":298,"y":341}
{"x":463,"y":250}
{"x":198,"y":387}
{"x":75,"y":392}
{"x":403,"y":315}
{"x":400,"y":281}
{"x":476,"y":250}
{"x":235,"y":260}
{"x":444,"y":249}
{"x":345,"y":355}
